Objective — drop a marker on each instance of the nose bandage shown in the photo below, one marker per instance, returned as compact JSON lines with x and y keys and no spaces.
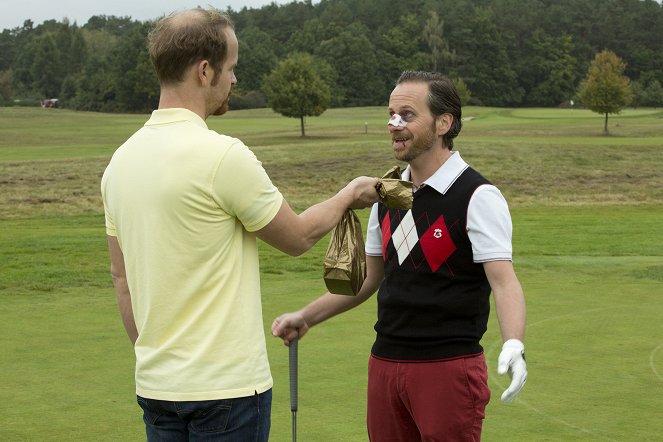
{"x":396,"y":121}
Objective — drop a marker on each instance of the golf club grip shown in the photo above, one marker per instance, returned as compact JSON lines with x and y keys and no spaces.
{"x":293,"y":373}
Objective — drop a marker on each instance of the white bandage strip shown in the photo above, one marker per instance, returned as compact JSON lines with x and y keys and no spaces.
{"x":396,"y":121}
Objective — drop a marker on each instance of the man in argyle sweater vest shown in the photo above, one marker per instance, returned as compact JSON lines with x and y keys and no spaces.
{"x":435,"y":266}
{"x":433,"y":303}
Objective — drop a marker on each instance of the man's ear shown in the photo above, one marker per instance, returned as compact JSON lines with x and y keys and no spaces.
{"x":443,"y":124}
{"x":204,"y":72}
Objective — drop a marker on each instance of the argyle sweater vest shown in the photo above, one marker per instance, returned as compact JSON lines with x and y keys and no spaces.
{"x":434,"y":301}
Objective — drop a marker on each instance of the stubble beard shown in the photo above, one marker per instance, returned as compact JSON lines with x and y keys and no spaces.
{"x":223,"y":108}
{"x":418,"y":147}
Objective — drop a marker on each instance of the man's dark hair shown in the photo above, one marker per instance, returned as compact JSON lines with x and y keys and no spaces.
{"x":179,"y":40}
{"x":442,"y":99}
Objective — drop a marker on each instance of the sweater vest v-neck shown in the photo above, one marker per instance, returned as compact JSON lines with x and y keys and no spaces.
{"x":434,"y":301}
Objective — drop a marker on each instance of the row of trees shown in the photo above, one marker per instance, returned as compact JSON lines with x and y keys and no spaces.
{"x":500,"y":52}
{"x":102,"y":66}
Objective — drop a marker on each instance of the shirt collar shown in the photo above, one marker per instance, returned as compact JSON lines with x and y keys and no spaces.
{"x":175,"y":115}
{"x":445,"y":176}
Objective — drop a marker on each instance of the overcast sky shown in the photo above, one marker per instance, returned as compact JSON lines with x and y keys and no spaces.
{"x":14,"y":12}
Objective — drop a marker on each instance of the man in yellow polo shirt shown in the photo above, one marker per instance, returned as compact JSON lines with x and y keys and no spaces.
{"x":184,"y":206}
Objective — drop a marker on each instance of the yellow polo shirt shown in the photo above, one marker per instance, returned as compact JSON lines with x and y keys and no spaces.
{"x":182,"y":201}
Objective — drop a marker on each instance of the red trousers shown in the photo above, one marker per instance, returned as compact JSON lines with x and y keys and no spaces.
{"x":427,"y":401}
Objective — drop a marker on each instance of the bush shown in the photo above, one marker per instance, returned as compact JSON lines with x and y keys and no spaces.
{"x":250,"y":100}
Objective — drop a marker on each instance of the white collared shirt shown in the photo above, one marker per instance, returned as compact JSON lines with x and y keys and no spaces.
{"x":488,"y":219}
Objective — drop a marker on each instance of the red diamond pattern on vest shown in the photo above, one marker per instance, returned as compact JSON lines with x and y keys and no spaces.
{"x":386,"y":233}
{"x":437,"y":244}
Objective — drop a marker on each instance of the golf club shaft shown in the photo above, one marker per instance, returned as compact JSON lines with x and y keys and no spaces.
{"x":293,"y":373}
{"x":293,"y":384}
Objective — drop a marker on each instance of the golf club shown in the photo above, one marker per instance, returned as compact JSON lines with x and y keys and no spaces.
{"x":293,"y":384}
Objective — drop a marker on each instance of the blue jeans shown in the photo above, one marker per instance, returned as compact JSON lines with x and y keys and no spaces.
{"x":244,"y":419}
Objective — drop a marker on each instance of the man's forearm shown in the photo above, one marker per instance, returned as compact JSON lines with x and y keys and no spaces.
{"x":329,"y":305}
{"x":122,"y":293}
{"x":126,"y":311}
{"x":510,"y":309}
{"x":509,"y":299}
{"x":321,"y":218}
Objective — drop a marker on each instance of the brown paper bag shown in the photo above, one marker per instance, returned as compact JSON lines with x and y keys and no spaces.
{"x":345,"y":262}
{"x":394,"y":192}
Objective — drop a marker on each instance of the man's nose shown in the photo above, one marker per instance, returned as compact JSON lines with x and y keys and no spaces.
{"x":396,"y":121}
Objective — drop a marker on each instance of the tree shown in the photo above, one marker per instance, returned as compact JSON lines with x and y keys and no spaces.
{"x":312,"y":33}
{"x":463,"y":91}
{"x":45,"y":69}
{"x":655,"y":94}
{"x":397,"y":51}
{"x":486,"y":66}
{"x":94,"y":86}
{"x":548,"y":69}
{"x":647,"y":94}
{"x":434,"y":37}
{"x":606,"y":90}
{"x":6,"y":79}
{"x":294,"y":89}
{"x":258,"y":58}
{"x":353,"y":56}
{"x":134,"y":80}
{"x":77,"y":51}
{"x":7,"y":50}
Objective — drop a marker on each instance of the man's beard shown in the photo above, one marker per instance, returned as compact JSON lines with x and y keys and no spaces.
{"x":223,"y":108}
{"x":418,"y":146}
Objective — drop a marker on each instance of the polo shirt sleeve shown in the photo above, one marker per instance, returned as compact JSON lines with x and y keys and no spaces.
{"x":489,"y":225}
{"x":110,"y":225}
{"x":373,"y":234}
{"x":244,"y":190}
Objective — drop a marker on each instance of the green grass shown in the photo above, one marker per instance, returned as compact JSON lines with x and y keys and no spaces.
{"x":588,"y":229}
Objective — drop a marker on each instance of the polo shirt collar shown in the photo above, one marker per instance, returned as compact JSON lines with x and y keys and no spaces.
{"x":175,"y":115}
{"x":445,"y":176}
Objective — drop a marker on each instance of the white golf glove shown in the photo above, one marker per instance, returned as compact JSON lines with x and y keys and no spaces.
{"x":512,"y":361}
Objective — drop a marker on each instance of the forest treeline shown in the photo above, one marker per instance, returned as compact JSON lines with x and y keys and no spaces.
{"x":506,"y":52}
